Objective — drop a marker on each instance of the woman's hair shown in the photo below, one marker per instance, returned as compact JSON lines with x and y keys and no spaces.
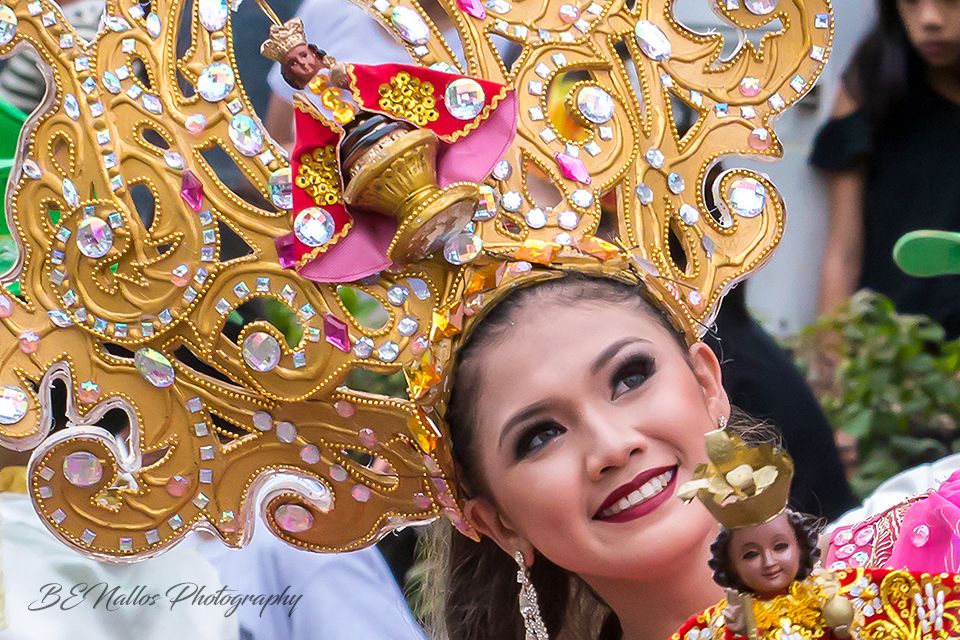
{"x":884,"y":69}
{"x":285,"y":73}
{"x":807,"y":529}
{"x":471,"y":590}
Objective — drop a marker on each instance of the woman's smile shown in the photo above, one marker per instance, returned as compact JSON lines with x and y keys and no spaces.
{"x":639,"y":497}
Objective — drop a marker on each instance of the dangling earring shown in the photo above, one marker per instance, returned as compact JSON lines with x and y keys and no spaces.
{"x":529,"y":607}
{"x":722,"y":422}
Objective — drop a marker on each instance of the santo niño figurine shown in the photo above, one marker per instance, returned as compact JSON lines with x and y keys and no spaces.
{"x":766,"y":557}
{"x":386,"y":160}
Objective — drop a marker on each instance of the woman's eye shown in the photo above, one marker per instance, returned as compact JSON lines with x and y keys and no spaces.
{"x":781,"y":546}
{"x":750,"y":555}
{"x":536,"y":437}
{"x":631,"y":375}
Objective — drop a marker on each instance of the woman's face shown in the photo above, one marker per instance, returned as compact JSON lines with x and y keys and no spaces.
{"x":766,"y":558}
{"x":588,"y":416}
{"x":933,"y":27}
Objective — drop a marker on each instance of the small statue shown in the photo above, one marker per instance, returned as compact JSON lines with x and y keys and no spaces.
{"x":387,"y":158}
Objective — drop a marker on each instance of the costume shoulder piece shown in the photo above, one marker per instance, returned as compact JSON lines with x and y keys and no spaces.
{"x":246,"y":382}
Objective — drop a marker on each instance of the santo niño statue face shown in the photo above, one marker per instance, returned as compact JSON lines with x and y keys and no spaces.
{"x":301,"y":64}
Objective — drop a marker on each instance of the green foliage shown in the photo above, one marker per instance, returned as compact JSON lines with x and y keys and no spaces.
{"x":896,"y":385}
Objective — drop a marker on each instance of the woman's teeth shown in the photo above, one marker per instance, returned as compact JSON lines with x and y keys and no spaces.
{"x":649,"y":489}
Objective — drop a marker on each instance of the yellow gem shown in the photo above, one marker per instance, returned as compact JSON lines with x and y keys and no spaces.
{"x":447,"y":325}
{"x":600,"y":249}
{"x":424,"y":431}
{"x":537,"y":251}
{"x":423,"y":378}
{"x":485,"y":278}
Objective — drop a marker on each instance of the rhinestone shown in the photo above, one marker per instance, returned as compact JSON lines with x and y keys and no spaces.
{"x":865,"y":536}
{"x":58,"y":516}
{"x":191,"y":190}
{"x":88,"y":392}
{"x":422,"y":501}
{"x":154,"y":367}
{"x":299,"y":359}
{"x":595,"y":104}
{"x":536,"y":113}
{"x":178,"y":486}
{"x":419,"y":288}
{"x":152,"y":536}
{"x":175,"y":522}
{"x":363,"y":347}
{"x":261,"y":351}
{"x":502,"y":170}
{"x":60,"y":318}
{"x":32,"y":169}
{"x":760,"y":139}
{"x":153,"y":25}
{"x":652,"y":41}
{"x":360,"y":493}
{"x":536,"y":218}
{"x":645,"y":194}
{"x":547,"y":135}
{"x":676,"y":183}
{"x":201,"y":429}
{"x":776,"y":101}
{"x":207,"y":452}
{"x":498,"y":6}
{"x":410,"y":25}
{"x":246,"y":135}
{"x":397,"y":295}
{"x":216,"y":82}
{"x":281,"y":189}
{"x":47,"y":473}
{"x":82,"y":469}
{"x":70,"y":193}
{"x":655,"y":158}
{"x":464,"y":98}
{"x":335,"y":332}
{"x":13,"y":404}
{"x":8,"y":25}
{"x":310,"y":454}
{"x":581,"y":198}
{"x":573,"y":167}
{"x":818,"y":53}
{"x":463,"y":248}
{"x":563,"y":238}
{"x":94,"y":238}
{"x":408,"y":326}
{"x":859,"y":559}
{"x":286,"y":432}
{"x":206,"y":476}
{"x":71,"y":106}
{"x":761,"y":7}
{"x":750,"y":87}
{"x":293,"y":518}
{"x":46,"y":492}
{"x":201,"y":501}
{"x":133,"y":93}
{"x":688,"y":214}
{"x":388,"y":351}
{"x":472,"y":8}
{"x":569,"y":13}
{"x":695,"y":298}
{"x":152,"y":103}
{"x":262,"y":420}
{"x":568,"y":220}
{"x":846,"y":551}
{"x":511,"y":201}
{"x":213,"y":14}
{"x":822,"y":21}
{"x":29,"y":342}
{"x":314,"y":227}
{"x":87,"y":537}
{"x":173,"y":159}
{"x":747,"y":197}
{"x":918,"y":537}
{"x":195,"y":123}
{"x":709,"y":246}
{"x":487,"y":204}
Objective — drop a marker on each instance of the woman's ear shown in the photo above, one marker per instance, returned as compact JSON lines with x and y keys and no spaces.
{"x":706,"y":368}
{"x":485,"y":518}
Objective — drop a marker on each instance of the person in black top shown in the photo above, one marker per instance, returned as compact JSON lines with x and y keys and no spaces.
{"x":890,"y":157}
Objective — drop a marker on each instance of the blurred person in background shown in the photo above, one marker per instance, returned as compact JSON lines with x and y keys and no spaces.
{"x":889,"y":156}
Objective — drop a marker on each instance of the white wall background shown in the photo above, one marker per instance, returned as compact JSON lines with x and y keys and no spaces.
{"x":783,"y":294}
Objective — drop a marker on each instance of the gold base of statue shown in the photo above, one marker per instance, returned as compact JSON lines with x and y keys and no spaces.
{"x":399,"y":179}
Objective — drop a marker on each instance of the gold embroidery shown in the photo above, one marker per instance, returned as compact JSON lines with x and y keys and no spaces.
{"x":319,"y":175}
{"x":408,"y":98}
{"x":915,"y":609}
{"x":799,"y":612}
{"x":332,"y":98}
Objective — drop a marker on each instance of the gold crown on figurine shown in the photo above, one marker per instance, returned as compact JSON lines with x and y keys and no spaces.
{"x":742,"y":485}
{"x":283,"y":38}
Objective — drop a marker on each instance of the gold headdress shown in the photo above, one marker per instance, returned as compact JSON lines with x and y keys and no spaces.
{"x":139,"y":313}
{"x":742,"y":485}
{"x":283,"y":38}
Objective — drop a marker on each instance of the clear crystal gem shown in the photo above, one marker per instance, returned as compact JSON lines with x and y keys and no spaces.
{"x":8,"y":24}
{"x":502,"y":170}
{"x":408,"y":326}
{"x":747,"y":197}
{"x":388,"y":351}
{"x":82,"y":469}
{"x":463,"y":248}
{"x":410,"y":25}
{"x":154,"y":367}
{"x":71,"y":106}
{"x":310,"y":454}
{"x":216,"y":82}
{"x":750,"y":87}
{"x":246,"y":135}
{"x":262,"y":420}
{"x":676,"y":183}
{"x":761,"y":7}
{"x":293,"y":518}
{"x":13,"y":404}
{"x":70,"y":193}
{"x":281,"y":188}
{"x":487,"y":204}
{"x":464,"y":98}
{"x":689,"y":214}
{"x":32,"y":169}
{"x":261,"y":351}
{"x":173,"y":159}
{"x":363,"y":347}
{"x":568,"y":220}
{"x":511,"y":201}
{"x":360,"y":493}
{"x":581,"y":198}
{"x":655,"y":158}
{"x":397,"y":295}
{"x":286,"y":432}
{"x":94,"y":237}
{"x":195,"y":123}
{"x":536,"y":218}
{"x":153,"y":25}
{"x":595,"y":104}
{"x":569,"y":13}
{"x":653,"y":42}
{"x":314,"y":227}
{"x":213,"y":14}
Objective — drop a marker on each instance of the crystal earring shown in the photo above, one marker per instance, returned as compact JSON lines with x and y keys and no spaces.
{"x":529,"y":607}
{"x":722,"y":422}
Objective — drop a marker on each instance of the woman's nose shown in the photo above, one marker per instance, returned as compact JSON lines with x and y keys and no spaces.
{"x":610,"y":441}
{"x":931,"y":14}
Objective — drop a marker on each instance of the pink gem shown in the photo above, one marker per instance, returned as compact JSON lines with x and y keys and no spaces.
{"x":335,"y":332}
{"x":180,"y":276}
{"x":229,"y":522}
{"x":750,"y":87}
{"x":338,"y":473}
{"x":293,"y":518}
{"x":422,"y":501}
{"x":846,"y":551}
{"x":344,"y":409}
{"x":864,"y":536}
{"x":82,"y":469}
{"x":310,"y":454}
{"x":920,"y":535}
{"x":178,"y":486}
{"x":472,"y":8}
{"x":431,"y":465}
{"x":573,"y":168}
{"x":842,"y":537}
{"x":368,"y":438}
{"x":759,"y":139}
{"x":196,"y":123}
{"x":6,"y":307}
{"x":360,"y":493}
{"x":419,"y":345}
{"x":285,"y":254}
{"x":29,"y":342}
{"x":89,"y":392}
{"x":191,"y":190}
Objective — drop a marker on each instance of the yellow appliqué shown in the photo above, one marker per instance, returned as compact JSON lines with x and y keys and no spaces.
{"x":332,"y":98}
{"x":408,"y":98}
{"x":319,"y":175}
{"x":795,"y":615}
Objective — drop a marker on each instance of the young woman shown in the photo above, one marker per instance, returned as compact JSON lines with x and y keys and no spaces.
{"x":887,"y":158}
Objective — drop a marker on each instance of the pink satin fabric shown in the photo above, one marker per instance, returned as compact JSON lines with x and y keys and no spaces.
{"x":360,"y":253}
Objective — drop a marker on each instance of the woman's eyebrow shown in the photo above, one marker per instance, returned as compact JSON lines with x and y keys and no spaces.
{"x":613,"y":350}
{"x":519,"y":417}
